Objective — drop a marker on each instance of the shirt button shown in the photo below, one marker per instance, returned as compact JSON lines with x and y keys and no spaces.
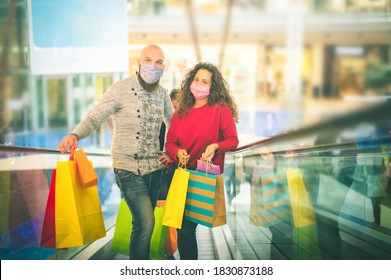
{"x":135,"y":93}
{"x":132,"y":88}
{"x":139,"y":116}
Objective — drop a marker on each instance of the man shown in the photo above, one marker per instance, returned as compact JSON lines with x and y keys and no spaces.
{"x":138,"y":105}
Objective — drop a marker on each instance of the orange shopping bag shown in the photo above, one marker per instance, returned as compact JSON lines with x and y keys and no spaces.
{"x":86,"y":172}
{"x":171,"y":236}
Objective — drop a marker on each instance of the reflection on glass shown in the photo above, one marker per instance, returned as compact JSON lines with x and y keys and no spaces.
{"x":325,"y":198}
{"x":25,"y":180}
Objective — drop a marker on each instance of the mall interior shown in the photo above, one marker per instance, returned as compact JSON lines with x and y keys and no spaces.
{"x":311,"y":178}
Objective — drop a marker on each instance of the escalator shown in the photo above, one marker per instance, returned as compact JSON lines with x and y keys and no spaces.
{"x":319,"y":192}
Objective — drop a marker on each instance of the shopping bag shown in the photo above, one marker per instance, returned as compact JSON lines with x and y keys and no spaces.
{"x":205,"y":200}
{"x":269,"y":202}
{"x":158,"y":239}
{"x":301,"y":205}
{"x":5,"y":179}
{"x":208,"y":167}
{"x":78,"y":213}
{"x":387,"y":165}
{"x":30,"y":189}
{"x":305,"y":243}
{"x":23,"y":193}
{"x":357,"y":206}
{"x":123,"y":230}
{"x":48,"y":236}
{"x":88,"y":177}
{"x":176,"y":198}
{"x":374,"y":175}
{"x":27,"y":199}
{"x":171,"y":235}
{"x":171,"y":241}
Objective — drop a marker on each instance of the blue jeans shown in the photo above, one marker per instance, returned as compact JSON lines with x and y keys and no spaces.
{"x":140,"y":193}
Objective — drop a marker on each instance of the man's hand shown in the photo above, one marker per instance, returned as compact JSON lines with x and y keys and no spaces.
{"x":67,"y":143}
{"x":163,"y":157}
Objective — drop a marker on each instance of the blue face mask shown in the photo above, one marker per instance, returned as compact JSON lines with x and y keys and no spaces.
{"x":150,"y":73}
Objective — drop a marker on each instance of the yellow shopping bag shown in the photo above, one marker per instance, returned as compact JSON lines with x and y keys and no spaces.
{"x":5,"y":179}
{"x":78,"y":212}
{"x":176,"y":199}
{"x":301,"y":205}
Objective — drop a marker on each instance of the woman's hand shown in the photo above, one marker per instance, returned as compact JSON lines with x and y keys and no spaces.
{"x":68,"y":142}
{"x":182,"y":155}
{"x":209,"y":152}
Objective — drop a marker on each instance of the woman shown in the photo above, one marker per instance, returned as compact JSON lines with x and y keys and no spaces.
{"x":203,"y":127}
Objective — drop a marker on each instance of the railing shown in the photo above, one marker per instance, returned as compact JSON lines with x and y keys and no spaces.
{"x":25,"y":175}
{"x":341,"y":181}
{"x":320,"y":192}
{"x":303,"y":138}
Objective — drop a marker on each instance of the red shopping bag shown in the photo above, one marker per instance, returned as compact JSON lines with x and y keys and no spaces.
{"x":48,"y":237}
{"x":27,"y":200}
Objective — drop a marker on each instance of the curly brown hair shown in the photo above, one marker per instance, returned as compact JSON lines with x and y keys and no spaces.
{"x":219,"y":91}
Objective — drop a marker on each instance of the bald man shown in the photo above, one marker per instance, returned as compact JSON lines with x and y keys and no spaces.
{"x":138,"y":105}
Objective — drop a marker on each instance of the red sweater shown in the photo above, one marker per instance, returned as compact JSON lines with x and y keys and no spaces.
{"x":201,"y":127}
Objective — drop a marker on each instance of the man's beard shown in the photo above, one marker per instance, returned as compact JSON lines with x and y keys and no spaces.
{"x":145,"y":85}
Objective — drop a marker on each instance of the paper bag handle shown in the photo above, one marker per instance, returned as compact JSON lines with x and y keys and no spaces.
{"x":72,"y":153}
{"x":182,"y":163}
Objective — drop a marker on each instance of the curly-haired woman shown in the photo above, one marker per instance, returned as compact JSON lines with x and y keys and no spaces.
{"x":203,"y":127}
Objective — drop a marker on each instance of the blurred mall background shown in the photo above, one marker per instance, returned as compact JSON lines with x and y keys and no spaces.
{"x":289,"y":63}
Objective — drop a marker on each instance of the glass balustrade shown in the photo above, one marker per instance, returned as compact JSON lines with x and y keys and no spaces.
{"x":317,"y":193}
{"x":25,"y":177}
{"x":320,"y":192}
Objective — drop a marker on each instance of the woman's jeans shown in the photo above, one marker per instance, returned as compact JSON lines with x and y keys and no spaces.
{"x":187,"y":241}
{"x":140,"y":193}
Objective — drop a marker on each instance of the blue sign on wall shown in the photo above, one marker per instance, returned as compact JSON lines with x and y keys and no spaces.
{"x":77,"y":36}
{"x":78,"y":23}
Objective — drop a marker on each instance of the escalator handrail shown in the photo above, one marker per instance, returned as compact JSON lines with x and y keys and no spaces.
{"x":21,"y":149}
{"x":370,"y":114}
